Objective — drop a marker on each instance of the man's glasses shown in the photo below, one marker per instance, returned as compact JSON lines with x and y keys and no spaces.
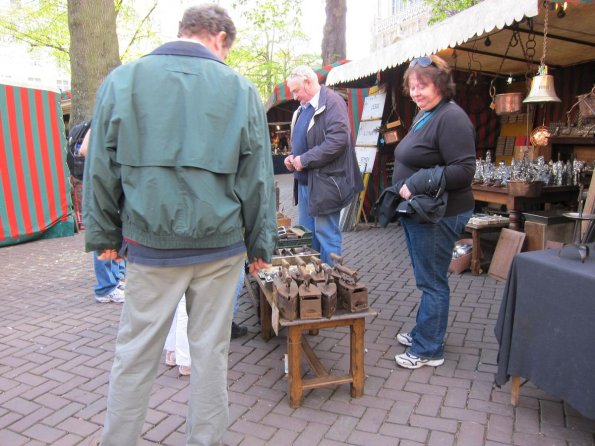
{"x":422,"y":61}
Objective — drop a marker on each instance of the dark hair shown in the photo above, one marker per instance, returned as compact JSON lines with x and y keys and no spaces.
{"x":207,"y":19}
{"x":438,"y":72}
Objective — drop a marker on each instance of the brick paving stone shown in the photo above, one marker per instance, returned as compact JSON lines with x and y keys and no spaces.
{"x":456,"y":397}
{"x":463,"y":415}
{"x":367,"y":439}
{"x":372,"y":420}
{"x":45,"y":433}
{"x":429,"y":405}
{"x":470,"y":434}
{"x":163,"y":429}
{"x":434,"y":423}
{"x":341,"y":428}
{"x":12,"y":438}
{"x":405,"y":432}
{"x":441,"y":439}
{"x":500,"y":429}
{"x":312,"y":434}
{"x":69,"y":440}
{"x":552,"y":413}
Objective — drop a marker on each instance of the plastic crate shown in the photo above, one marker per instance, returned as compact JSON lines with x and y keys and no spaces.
{"x":306,"y":239}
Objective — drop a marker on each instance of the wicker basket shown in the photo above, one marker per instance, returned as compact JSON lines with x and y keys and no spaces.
{"x":524,"y":189}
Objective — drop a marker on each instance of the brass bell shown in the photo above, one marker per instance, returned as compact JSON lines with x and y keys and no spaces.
{"x":542,"y":90}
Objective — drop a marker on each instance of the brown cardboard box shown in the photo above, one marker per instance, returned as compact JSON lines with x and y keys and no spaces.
{"x":463,"y":263}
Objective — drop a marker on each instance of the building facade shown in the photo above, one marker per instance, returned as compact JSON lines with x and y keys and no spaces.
{"x":397,"y":19}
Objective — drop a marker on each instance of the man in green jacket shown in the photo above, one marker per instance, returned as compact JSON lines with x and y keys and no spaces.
{"x":179,"y":180}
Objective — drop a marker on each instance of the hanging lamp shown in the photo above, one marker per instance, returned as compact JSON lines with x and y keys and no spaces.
{"x":542,"y":86}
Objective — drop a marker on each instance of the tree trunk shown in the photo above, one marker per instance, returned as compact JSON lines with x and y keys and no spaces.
{"x":333,"y":40}
{"x":94,"y":51}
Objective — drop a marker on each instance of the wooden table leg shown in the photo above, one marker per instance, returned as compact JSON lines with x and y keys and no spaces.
{"x":266,"y":327}
{"x":515,"y":219}
{"x":476,"y":253}
{"x":515,"y":390}
{"x":357,"y":357}
{"x":294,"y":376}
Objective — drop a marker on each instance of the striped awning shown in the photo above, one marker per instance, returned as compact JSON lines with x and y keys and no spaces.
{"x":281,"y":91}
{"x":34,"y":186}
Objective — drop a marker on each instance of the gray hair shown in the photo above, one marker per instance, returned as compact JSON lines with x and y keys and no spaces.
{"x":207,"y":19}
{"x":303,"y":72}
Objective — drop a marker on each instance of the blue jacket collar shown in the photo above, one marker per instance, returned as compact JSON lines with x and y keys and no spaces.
{"x":183,"y":48}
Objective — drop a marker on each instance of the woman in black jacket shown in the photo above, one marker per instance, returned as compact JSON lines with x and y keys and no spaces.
{"x":441,"y":135}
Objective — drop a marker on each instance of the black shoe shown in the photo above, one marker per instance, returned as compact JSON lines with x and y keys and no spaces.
{"x":237,"y":331}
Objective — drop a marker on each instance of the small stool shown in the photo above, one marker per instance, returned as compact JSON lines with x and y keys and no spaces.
{"x":296,"y":344}
{"x":476,"y":231}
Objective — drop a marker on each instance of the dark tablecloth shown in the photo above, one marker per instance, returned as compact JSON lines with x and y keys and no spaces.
{"x":546,"y":325}
{"x":278,"y":165}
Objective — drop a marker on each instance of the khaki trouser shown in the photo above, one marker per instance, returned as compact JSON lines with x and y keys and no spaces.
{"x":152,"y":294}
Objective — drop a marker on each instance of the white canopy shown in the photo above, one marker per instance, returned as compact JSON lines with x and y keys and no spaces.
{"x":461,"y":40}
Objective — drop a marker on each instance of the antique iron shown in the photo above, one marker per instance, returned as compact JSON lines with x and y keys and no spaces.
{"x":286,"y":291}
{"x":317,"y":275}
{"x":309,"y":296}
{"x":352,"y":295}
{"x":328,"y":290}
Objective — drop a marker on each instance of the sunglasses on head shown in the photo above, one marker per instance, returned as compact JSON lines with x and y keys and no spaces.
{"x":422,"y":61}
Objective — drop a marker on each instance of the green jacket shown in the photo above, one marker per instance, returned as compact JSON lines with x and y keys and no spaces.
{"x":179,"y":157}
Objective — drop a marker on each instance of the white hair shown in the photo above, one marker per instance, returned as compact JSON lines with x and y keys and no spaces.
{"x":303,"y":72}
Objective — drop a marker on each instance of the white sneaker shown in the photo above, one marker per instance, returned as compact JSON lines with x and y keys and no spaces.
{"x":410,"y":361}
{"x":122,"y":284}
{"x":116,"y":296}
{"x":405,"y":339}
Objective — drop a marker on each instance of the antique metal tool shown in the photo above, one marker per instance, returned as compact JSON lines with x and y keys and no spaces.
{"x":286,"y":291}
{"x":310,"y":297}
{"x":328,"y":291}
{"x":318,"y":275}
{"x":352,"y":295}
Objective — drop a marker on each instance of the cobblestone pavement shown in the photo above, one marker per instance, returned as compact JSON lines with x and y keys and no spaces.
{"x":56,"y":350}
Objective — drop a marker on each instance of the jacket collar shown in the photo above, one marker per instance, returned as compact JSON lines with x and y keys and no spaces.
{"x":185,"y":48}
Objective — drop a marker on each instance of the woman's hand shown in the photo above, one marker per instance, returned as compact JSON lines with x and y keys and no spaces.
{"x":405,"y":192}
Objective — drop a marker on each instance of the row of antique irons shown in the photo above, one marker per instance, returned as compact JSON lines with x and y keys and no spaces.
{"x":316,"y":292}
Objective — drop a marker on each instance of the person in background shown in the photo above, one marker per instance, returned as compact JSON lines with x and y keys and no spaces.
{"x":441,"y":135}
{"x":323,"y":160}
{"x":110,"y":274}
{"x":283,"y":143}
{"x":179,"y":179}
{"x":176,"y":343}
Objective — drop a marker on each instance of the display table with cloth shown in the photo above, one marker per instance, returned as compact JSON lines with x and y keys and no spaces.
{"x":279,"y":164}
{"x":297,"y":344}
{"x":516,"y":205}
{"x":546,"y":326}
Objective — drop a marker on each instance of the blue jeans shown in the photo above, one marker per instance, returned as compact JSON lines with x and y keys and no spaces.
{"x":430,"y":249}
{"x":108,"y":273}
{"x":326,"y":234}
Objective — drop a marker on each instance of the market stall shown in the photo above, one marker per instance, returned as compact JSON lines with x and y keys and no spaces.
{"x":497,"y":48}
{"x":35,"y":192}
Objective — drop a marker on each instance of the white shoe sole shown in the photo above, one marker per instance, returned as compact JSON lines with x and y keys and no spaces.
{"x":406,"y":363}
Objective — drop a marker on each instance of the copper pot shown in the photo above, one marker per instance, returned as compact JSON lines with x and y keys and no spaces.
{"x":508,"y":103}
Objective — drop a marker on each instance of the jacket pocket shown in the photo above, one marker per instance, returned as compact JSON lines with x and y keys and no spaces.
{"x":330,"y":193}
